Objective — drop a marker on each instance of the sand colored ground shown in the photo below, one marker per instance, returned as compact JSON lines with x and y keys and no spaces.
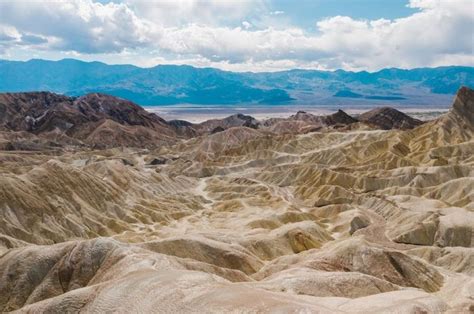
{"x":246,"y":221}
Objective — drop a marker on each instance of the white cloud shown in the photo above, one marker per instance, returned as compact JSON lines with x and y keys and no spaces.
{"x":181,"y":12}
{"x":246,"y":24}
{"x":200,"y":32}
{"x":237,"y":44}
{"x":441,"y":30}
{"x":277,"y":12}
{"x":82,"y":26}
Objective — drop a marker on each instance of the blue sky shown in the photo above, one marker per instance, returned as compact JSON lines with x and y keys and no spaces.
{"x":251,"y":35}
{"x":306,"y":12}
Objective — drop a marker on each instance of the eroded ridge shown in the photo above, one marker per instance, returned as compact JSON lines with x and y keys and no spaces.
{"x":307,"y":214}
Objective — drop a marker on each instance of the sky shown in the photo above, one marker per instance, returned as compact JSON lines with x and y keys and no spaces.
{"x":252,"y":35}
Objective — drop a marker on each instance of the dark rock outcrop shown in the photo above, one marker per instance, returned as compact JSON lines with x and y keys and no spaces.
{"x":463,"y":107}
{"x":340,"y":117}
{"x":303,"y":122}
{"x":235,"y":120}
{"x":387,"y":118}
{"x":157,"y":161}
{"x":95,"y":120}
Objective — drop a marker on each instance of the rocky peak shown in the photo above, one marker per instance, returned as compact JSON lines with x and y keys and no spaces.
{"x":340,"y":117}
{"x":389,"y":118}
{"x":234,"y":120}
{"x":99,"y":106}
{"x":240,"y":119}
{"x":463,"y":105}
{"x":92,"y":118}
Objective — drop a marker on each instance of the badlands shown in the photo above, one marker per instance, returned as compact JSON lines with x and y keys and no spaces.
{"x":105,"y":207}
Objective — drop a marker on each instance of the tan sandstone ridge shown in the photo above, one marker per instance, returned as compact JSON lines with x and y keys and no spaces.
{"x":305,"y":214}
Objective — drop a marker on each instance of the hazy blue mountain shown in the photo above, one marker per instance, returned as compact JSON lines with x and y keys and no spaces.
{"x":172,"y":84}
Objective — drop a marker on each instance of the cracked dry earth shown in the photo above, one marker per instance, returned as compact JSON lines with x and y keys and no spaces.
{"x":246,"y":221}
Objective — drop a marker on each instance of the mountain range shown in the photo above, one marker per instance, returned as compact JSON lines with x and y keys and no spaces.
{"x":39,"y":120}
{"x":178,"y":84}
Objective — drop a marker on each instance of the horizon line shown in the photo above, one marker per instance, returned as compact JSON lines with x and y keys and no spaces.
{"x":218,"y":69}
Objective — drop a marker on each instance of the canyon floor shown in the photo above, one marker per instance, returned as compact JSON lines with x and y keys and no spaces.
{"x":281,"y":216}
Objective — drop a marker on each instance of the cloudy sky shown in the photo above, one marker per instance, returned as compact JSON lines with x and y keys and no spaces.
{"x":253,"y":35}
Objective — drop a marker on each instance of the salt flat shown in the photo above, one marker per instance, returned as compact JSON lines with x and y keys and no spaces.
{"x":200,"y":113}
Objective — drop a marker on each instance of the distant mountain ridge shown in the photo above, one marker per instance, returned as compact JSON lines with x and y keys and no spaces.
{"x":174,"y":84}
{"x":45,"y":120}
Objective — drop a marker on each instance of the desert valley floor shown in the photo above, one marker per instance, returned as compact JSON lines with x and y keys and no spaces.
{"x":107,"y":208}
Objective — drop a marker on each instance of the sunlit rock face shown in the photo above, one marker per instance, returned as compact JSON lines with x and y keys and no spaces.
{"x":305,"y":214}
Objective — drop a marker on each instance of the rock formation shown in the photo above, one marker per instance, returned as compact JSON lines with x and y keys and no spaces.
{"x":95,"y":120}
{"x":388,"y":118}
{"x":283,"y":215}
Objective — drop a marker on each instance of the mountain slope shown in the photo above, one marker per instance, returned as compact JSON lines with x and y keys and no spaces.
{"x":388,"y":118}
{"x":32,"y":120}
{"x":95,"y":119}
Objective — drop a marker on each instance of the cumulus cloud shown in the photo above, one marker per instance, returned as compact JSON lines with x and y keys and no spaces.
{"x":82,"y":26}
{"x":237,"y":45}
{"x":439,"y":33}
{"x":210,"y":12}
